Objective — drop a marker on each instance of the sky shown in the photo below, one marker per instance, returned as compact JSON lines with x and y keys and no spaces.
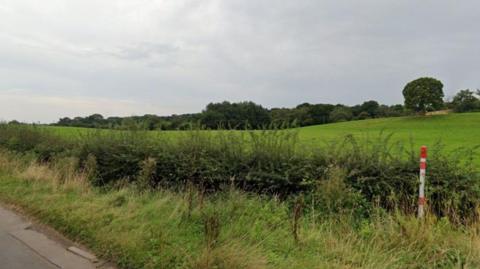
{"x":67,"y":58}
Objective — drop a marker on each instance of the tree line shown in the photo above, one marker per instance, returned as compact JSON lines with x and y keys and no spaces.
{"x":421,"y":96}
{"x":242,"y":115}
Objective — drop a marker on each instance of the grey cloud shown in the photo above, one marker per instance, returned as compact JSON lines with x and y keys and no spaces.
{"x":179,"y":55}
{"x":145,"y":51}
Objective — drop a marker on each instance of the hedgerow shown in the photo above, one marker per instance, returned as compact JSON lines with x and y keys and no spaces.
{"x":269,"y":161}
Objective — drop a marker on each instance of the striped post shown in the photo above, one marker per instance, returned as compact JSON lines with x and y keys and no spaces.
{"x":421,"y":189}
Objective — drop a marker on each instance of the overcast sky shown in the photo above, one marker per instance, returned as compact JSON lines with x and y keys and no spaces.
{"x":130,"y":57}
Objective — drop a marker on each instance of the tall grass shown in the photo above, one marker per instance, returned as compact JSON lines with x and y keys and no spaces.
{"x":231,"y":228}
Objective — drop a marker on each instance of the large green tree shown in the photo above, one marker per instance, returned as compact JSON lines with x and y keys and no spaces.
{"x":371,"y":108}
{"x":424,"y":94}
{"x":235,"y":115}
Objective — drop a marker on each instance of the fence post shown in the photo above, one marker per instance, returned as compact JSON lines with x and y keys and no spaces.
{"x":421,"y":188}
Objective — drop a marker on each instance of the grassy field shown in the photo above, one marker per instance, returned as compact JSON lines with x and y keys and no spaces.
{"x":228,"y":230}
{"x":453,"y":131}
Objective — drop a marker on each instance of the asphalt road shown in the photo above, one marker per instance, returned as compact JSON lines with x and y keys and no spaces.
{"x":13,"y":253}
{"x":25,"y":246}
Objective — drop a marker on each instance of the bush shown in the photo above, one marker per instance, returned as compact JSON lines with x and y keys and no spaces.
{"x":333,"y":196}
{"x":118,"y":155}
{"x":363,"y":116}
{"x":31,"y":138}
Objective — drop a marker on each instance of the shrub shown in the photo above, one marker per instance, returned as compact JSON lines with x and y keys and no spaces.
{"x":147,"y":172}
{"x":333,"y":196}
{"x":31,"y":138}
{"x":118,"y":154}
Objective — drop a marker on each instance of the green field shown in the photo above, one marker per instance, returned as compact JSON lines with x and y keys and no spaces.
{"x":453,"y":130}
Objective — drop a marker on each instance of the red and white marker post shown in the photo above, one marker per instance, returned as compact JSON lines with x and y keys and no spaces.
{"x":421,"y":189}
